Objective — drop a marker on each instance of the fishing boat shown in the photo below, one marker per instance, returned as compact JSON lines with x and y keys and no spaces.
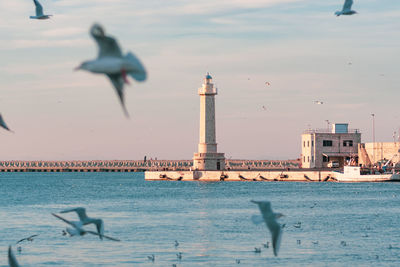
{"x":354,"y":174}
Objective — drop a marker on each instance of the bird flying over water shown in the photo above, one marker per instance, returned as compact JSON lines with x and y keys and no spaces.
{"x":85,"y":220}
{"x":78,"y":229}
{"x":269,"y":217}
{"x":346,"y":9}
{"x":12,"y":261}
{"x":30,"y":238}
{"x":39,"y":11}
{"x":3,"y":124}
{"x":111,"y":62}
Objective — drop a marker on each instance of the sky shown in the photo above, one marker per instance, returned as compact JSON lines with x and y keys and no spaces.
{"x":300,"y":47}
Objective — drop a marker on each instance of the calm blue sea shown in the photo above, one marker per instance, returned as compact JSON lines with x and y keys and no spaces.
{"x":341,"y":224}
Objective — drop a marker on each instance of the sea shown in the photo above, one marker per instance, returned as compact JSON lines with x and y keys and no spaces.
{"x":325,"y":223}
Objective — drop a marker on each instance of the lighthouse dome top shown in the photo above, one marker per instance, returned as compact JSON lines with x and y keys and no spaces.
{"x":208,"y":76}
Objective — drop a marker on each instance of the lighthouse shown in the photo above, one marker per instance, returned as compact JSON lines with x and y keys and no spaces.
{"x":207,"y":158}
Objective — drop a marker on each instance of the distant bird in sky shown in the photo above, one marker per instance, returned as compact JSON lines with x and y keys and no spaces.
{"x":264,"y":107}
{"x":39,"y":11}
{"x":318,"y":102}
{"x":78,"y":229}
{"x":84,"y":219}
{"x":112,"y":63}
{"x":3,"y":124}
{"x":269,"y":217}
{"x":346,"y":9}
{"x":12,"y":261}
{"x":267,"y":83}
{"x":30,"y":238}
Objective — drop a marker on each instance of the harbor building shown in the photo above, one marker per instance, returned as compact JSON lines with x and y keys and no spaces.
{"x":379,"y":152}
{"x":330,"y":147}
{"x":207,"y":157}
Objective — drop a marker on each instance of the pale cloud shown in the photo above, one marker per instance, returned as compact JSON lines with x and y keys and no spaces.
{"x":64,"y":32}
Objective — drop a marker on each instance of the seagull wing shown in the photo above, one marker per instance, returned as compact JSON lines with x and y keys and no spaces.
{"x":108,"y":46}
{"x":276,"y":232}
{"x":347,"y":5}
{"x":3,"y":123}
{"x":39,"y":8}
{"x":12,"y":261}
{"x":80,"y":211}
{"x":118,"y":83}
{"x":108,"y":237}
{"x":23,"y":239}
{"x":270,"y":220}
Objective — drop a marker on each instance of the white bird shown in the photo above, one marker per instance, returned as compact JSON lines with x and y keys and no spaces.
{"x":318,"y":102}
{"x":346,"y":9}
{"x":269,"y":217}
{"x":12,"y":261}
{"x":39,"y":11}
{"x":78,"y":229}
{"x":3,"y":124}
{"x":85,"y":220}
{"x":112,"y":63}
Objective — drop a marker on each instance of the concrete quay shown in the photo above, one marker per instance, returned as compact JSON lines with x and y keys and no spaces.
{"x":296,"y":175}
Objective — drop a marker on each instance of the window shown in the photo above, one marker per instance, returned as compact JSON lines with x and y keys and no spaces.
{"x":304,"y":159}
{"x":308,"y":158}
{"x":304,"y":143}
{"x":312,"y":158}
{"x":312,"y":142}
{"x":325,"y":158}
{"x":308,"y":143}
{"x":327,"y":142}
{"x":348,"y":143}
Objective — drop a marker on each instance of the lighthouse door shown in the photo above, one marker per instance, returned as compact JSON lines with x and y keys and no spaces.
{"x":218,"y":165}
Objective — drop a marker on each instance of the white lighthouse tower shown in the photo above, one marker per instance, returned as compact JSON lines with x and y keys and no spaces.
{"x":207,"y":157}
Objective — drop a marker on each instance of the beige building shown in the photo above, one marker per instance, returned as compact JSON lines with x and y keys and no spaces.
{"x":329,"y":147}
{"x":379,"y":151}
{"x":207,"y":157}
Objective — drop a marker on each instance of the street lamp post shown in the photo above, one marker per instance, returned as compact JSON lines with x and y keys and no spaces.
{"x":373,"y":139}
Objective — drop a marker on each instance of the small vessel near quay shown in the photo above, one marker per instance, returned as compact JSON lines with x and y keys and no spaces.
{"x":353,"y":174}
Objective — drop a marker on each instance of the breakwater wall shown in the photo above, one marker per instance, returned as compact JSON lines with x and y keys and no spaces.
{"x":296,"y":175}
{"x":134,"y":165}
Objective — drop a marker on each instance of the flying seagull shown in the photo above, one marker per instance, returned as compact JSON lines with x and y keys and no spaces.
{"x":346,"y":9}
{"x":111,"y":62}
{"x":269,"y":217}
{"x":78,"y":229}
{"x":39,"y":11}
{"x":85,"y":220}
{"x":30,"y":238}
{"x":3,"y":124}
{"x":318,"y":102}
{"x":12,"y":261}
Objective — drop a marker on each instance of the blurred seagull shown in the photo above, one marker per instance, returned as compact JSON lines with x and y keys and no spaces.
{"x":84,"y":219}
{"x":3,"y":124}
{"x":112,"y":63}
{"x":346,"y":9}
{"x":30,"y":238}
{"x":264,"y":107}
{"x":39,"y":11}
{"x":12,"y":261}
{"x":318,"y":102}
{"x":267,"y":83}
{"x":269,"y":217}
{"x":78,"y":229}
